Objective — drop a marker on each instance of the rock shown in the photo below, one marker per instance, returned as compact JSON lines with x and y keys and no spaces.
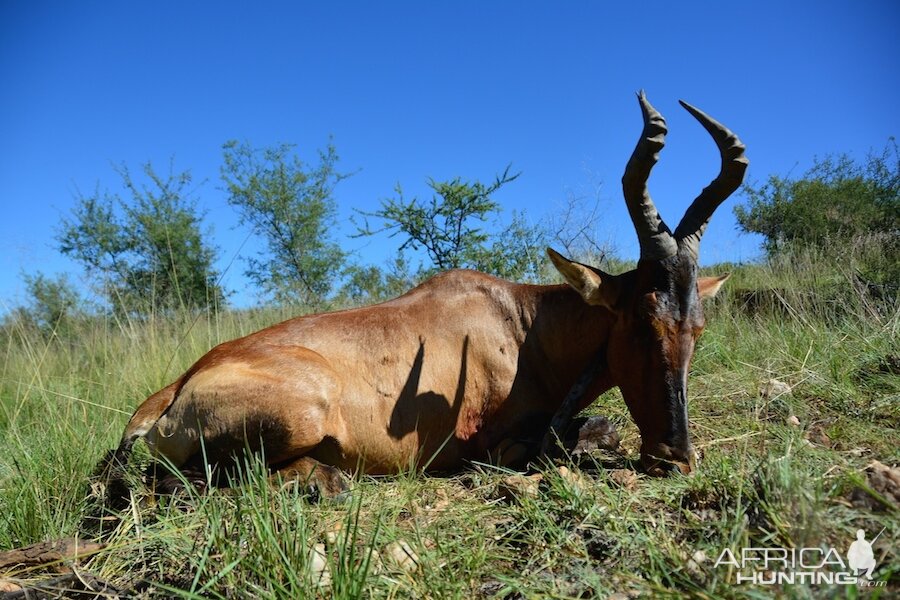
{"x":793,"y":421}
{"x":401,"y":556}
{"x":513,"y":488}
{"x":774,"y":388}
{"x":318,"y":566}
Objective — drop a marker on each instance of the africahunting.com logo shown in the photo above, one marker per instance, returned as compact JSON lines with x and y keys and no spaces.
{"x":779,"y":566}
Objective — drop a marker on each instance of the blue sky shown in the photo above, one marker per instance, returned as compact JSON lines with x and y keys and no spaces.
{"x":429,"y":89}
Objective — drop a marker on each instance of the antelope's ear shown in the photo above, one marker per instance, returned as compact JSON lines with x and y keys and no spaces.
{"x":709,"y":286}
{"x":595,"y":286}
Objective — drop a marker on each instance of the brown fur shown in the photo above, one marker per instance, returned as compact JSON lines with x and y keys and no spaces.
{"x":465,"y":366}
{"x":437,"y":377}
{"x":441,"y":375}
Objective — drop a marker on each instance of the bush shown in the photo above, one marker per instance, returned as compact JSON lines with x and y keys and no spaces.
{"x":835,"y":201}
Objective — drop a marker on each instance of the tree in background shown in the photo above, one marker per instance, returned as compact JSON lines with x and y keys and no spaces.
{"x":837,"y":199}
{"x":516,"y":252}
{"x":573,"y":226}
{"x":51,"y":303}
{"x":146,"y":249}
{"x":365,"y":284}
{"x":449,"y":228}
{"x":847,"y":210}
{"x":291,"y":206}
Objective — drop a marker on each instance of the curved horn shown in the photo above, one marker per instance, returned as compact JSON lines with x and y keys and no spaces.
{"x":730,"y":177}
{"x":654,"y":236}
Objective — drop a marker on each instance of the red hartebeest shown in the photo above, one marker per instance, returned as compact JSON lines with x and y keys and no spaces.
{"x":464,"y":362}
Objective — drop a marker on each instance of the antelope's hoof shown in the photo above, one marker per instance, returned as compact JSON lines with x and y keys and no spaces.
{"x":588,"y":434}
{"x":324,"y":483}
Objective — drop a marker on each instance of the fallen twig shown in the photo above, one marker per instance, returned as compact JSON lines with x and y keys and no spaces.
{"x":48,"y":553}
{"x":728,"y":439}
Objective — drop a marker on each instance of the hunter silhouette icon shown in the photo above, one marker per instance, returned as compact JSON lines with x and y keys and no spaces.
{"x":860,"y":555}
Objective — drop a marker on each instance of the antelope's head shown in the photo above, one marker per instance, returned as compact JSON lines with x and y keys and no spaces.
{"x":658,"y":306}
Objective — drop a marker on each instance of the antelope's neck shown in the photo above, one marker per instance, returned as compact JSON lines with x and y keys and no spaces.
{"x":564,"y":336}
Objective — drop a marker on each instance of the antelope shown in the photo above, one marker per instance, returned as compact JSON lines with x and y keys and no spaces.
{"x":465,"y":366}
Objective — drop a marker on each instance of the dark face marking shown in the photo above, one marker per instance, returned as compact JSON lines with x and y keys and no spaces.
{"x":650,"y":353}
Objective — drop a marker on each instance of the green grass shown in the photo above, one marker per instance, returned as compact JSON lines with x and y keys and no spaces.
{"x":762,"y":482}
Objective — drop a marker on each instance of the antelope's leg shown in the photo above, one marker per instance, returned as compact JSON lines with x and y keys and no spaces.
{"x":570,"y":406}
{"x":282,"y":401}
{"x":511,"y":454}
{"x":328,"y":481}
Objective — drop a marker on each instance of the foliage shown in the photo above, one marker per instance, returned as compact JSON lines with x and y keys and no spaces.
{"x":147,"y":251}
{"x":516,"y":252}
{"x":291,"y":206}
{"x":365,"y":284}
{"x":834,"y":201}
{"x":50,"y":305}
{"x":449,"y":228}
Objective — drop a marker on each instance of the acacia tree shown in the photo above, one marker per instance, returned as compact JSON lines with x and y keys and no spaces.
{"x":450,"y":229}
{"x":291,"y":207}
{"x":364,"y":284}
{"x":146,"y":248}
